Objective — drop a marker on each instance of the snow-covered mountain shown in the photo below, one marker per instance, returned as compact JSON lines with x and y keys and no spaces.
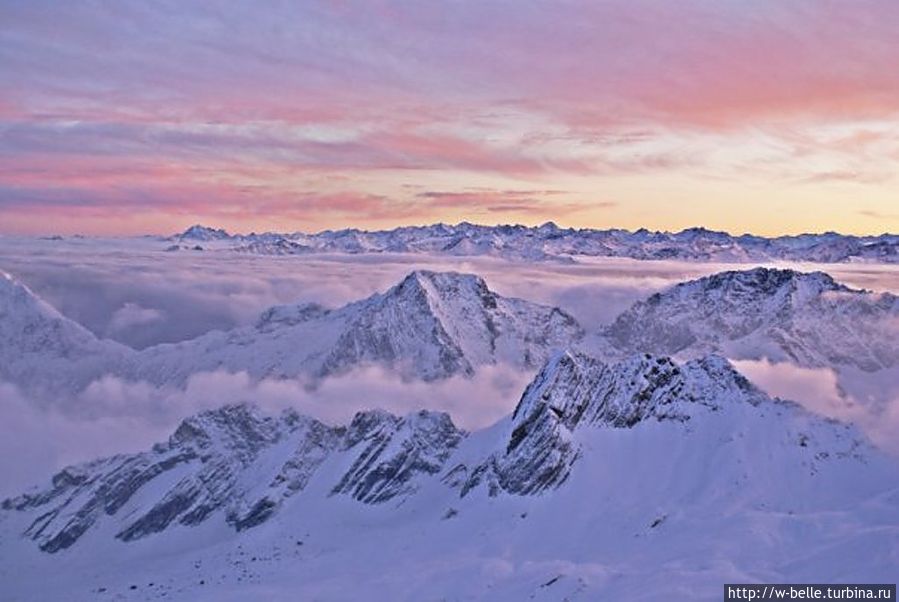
{"x":575,"y":391}
{"x":805,"y":318}
{"x":643,"y":478}
{"x":240,"y":465}
{"x":198,"y":233}
{"x":431,"y":325}
{"x":435,"y":325}
{"x":549,"y":242}
{"x":42,"y":350}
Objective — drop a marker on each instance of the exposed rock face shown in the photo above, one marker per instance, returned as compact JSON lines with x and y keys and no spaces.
{"x":445,"y":323}
{"x":432,"y":325}
{"x":598,"y":461}
{"x":390,"y":452}
{"x":245,"y":467}
{"x":282,"y":316}
{"x":206,"y":451}
{"x":237,"y":462}
{"x":574,"y":391}
{"x":808,"y":319}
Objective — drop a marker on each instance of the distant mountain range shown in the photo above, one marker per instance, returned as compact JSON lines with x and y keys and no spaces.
{"x":552,"y":243}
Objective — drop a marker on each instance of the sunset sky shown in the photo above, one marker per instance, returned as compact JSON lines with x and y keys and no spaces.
{"x":745,"y":115}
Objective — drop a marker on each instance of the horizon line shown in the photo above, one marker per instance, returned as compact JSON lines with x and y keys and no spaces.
{"x":548,"y":223}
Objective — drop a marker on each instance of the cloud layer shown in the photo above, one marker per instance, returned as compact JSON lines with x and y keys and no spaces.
{"x":112,"y":416}
{"x":121,"y":289}
{"x":132,"y":118}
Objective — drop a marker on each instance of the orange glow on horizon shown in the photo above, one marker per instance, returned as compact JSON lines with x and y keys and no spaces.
{"x":761,"y":117}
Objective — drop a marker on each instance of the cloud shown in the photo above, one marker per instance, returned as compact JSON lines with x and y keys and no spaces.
{"x":474,"y":402}
{"x":879,"y":215}
{"x":815,"y":388}
{"x":522,"y":202}
{"x":99,"y":283}
{"x":171,"y":296}
{"x":35,"y":441}
{"x":132,"y":315}
{"x":848,"y":176}
{"x":579,"y":93}
{"x":868,"y":400}
{"x":113,"y":416}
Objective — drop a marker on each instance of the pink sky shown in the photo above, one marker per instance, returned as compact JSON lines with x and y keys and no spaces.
{"x":760,"y":116}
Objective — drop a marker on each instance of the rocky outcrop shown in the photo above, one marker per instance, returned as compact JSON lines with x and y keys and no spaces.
{"x":228,"y":462}
{"x":574,"y":392}
{"x":430,"y":326}
{"x":805,"y":318}
{"x":390,"y":452}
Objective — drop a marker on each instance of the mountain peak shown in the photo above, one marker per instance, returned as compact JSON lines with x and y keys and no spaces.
{"x":562,"y":366}
{"x":548,"y":227}
{"x":763,"y":280}
{"x":33,"y":331}
{"x":203,"y":233}
{"x":442,"y":281}
{"x":805,"y":318}
{"x":574,"y":391}
{"x":576,"y":387}
{"x":430,"y":325}
{"x":446,"y":323}
{"x":442,"y":290}
{"x":241,"y":424}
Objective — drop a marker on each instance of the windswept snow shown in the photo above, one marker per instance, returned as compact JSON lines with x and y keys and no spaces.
{"x":638,"y":463}
{"x":430,"y":326}
{"x":783,"y":315}
{"x":650,"y":479}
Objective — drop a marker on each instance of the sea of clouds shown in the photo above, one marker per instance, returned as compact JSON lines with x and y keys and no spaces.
{"x":134,"y":292}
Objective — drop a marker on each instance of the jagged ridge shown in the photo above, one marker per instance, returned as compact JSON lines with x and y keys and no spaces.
{"x":575,"y":391}
{"x":549,"y":242}
{"x":431,"y":325}
{"x":243,"y":466}
{"x":807,"y":318}
{"x":215,"y":461}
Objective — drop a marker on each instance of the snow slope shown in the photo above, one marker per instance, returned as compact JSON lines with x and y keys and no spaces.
{"x":643,"y":479}
{"x":434,"y":325}
{"x":44,"y":351}
{"x":431,"y":325}
{"x":784,"y":315}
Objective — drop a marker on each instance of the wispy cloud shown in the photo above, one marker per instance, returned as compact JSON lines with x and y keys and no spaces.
{"x":228,"y":103}
{"x":879,"y":215}
{"x":486,"y":200}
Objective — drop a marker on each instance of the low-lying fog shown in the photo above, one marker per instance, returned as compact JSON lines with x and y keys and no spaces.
{"x":133,"y":292}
